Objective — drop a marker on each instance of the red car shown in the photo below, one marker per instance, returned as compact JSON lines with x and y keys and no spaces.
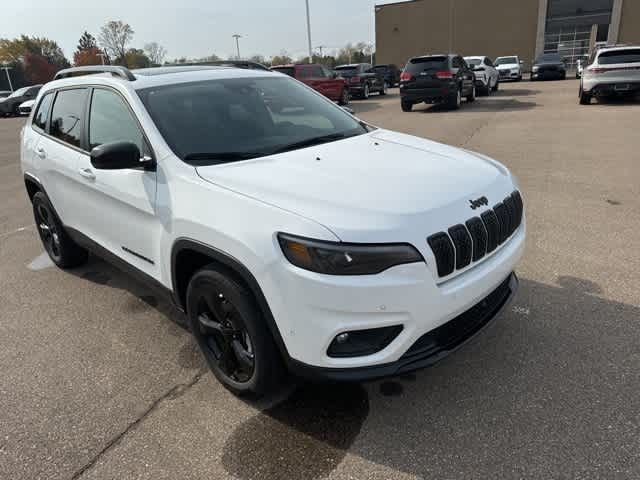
{"x":319,"y":78}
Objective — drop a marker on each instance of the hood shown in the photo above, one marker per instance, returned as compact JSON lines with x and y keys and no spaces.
{"x":379,"y":184}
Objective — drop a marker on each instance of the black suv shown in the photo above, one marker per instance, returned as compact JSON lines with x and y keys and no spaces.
{"x":549,"y":65}
{"x":436,"y":79}
{"x":9,"y":105}
{"x":362,"y":79}
{"x":390,"y":72}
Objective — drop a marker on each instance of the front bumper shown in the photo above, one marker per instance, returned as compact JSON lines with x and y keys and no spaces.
{"x":548,"y":74}
{"x":509,"y":75}
{"x":312,"y":309}
{"x":428,"y":349}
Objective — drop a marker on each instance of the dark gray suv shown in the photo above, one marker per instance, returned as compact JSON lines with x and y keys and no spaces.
{"x":10,"y":104}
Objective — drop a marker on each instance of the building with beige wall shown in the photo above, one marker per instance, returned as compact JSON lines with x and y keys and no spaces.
{"x":502,"y":27}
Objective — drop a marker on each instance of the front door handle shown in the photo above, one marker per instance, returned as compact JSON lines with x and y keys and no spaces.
{"x":40,"y":152}
{"x":87,"y":173}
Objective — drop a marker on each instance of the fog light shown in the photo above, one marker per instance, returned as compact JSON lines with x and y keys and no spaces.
{"x":358,"y":343}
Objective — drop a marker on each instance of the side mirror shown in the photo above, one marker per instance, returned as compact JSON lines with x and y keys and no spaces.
{"x":521,"y":62}
{"x":116,"y":156}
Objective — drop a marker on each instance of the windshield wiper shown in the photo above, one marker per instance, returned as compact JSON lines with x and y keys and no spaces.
{"x":215,"y":158}
{"x":310,"y":142}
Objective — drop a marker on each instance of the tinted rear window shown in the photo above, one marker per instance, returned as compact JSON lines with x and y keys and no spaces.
{"x":619,"y":56}
{"x":286,"y":70}
{"x":381,"y":68}
{"x":421,"y":64}
{"x":42,"y":115}
{"x":347,"y":69}
{"x":473,"y":61}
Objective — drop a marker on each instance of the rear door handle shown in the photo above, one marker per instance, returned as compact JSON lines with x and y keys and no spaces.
{"x":87,"y":173}
{"x":40,"y":152}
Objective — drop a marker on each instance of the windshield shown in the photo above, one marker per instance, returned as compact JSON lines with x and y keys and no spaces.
{"x":619,"y":56}
{"x":474,"y":62}
{"x":20,"y":92}
{"x":505,"y":60}
{"x":550,"y":57}
{"x":217,"y":121}
{"x":346,"y":69}
{"x":381,"y":68}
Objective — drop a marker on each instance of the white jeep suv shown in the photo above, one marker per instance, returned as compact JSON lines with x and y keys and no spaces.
{"x":294,"y":236}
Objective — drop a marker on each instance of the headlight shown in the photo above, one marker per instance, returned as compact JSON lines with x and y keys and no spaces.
{"x":535,"y":68}
{"x":514,"y":70}
{"x":336,"y":258}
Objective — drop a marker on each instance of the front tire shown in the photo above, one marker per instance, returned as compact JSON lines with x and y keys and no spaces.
{"x":232,"y":333}
{"x":62,"y":250}
{"x":406,"y":106}
{"x":496,"y":87}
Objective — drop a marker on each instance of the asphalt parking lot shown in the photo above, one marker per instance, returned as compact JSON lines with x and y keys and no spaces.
{"x":98,"y":380}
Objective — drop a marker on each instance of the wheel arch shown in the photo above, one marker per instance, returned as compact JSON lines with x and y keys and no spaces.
{"x":188,"y":256}
{"x":32,"y":185}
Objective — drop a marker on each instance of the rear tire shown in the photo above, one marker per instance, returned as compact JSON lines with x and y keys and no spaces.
{"x":365,"y":91}
{"x":344,"y":98}
{"x":232,"y":333}
{"x":472,"y":96}
{"x":62,"y":250}
{"x":454,"y":101}
{"x":585,"y":98}
{"x":406,"y":106}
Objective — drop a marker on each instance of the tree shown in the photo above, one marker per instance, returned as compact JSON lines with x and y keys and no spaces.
{"x":136,"y":58}
{"x":282,"y":59}
{"x":114,"y":38}
{"x":211,"y":58}
{"x":155,"y":52}
{"x":258,"y":59}
{"x":87,"y":41}
{"x":88,"y":56}
{"x":38,"y":69}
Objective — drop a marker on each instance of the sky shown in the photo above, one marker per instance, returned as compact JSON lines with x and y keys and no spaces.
{"x":198,"y":28}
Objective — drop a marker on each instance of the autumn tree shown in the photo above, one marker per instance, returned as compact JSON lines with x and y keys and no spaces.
{"x":88,"y":56}
{"x":282,"y":59}
{"x":38,"y":69}
{"x":114,"y":38}
{"x":155,"y":52}
{"x":33,"y":59}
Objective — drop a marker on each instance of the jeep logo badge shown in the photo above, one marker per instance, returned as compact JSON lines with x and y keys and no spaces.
{"x":478,"y":202}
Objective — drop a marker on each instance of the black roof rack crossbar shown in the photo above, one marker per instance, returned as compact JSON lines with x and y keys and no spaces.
{"x":114,"y":70}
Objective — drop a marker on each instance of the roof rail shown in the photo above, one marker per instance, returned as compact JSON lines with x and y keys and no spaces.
{"x":114,"y":70}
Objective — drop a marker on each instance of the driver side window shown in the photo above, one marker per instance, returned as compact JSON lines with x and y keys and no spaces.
{"x":111,"y":120}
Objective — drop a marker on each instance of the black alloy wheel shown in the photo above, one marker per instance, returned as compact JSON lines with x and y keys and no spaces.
{"x":227,"y":342}
{"x":48,"y":230}
{"x":232,"y":333}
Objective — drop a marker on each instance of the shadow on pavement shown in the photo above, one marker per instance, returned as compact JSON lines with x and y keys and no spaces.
{"x":480,"y":105}
{"x":514,"y":92}
{"x":551,"y":390}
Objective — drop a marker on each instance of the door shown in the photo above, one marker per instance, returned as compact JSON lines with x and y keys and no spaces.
{"x":58,"y":150}
{"x":118,"y":206}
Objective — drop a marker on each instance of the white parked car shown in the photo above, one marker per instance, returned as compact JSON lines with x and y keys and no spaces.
{"x":509,"y":68}
{"x":614,"y":71}
{"x":297,"y":238}
{"x":487,"y":76}
{"x":25,"y":107}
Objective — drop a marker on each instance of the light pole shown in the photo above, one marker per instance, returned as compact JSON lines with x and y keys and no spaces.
{"x":237,"y":37}
{"x":320,"y":47}
{"x":309,"y":32}
{"x":6,"y":70}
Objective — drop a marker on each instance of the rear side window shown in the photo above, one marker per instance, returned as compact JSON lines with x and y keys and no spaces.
{"x":286,"y":70}
{"x":317,"y":72}
{"x":67,"y":115}
{"x":111,"y":120}
{"x":619,"y":56}
{"x":422,"y":64}
{"x":41,"y":116}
